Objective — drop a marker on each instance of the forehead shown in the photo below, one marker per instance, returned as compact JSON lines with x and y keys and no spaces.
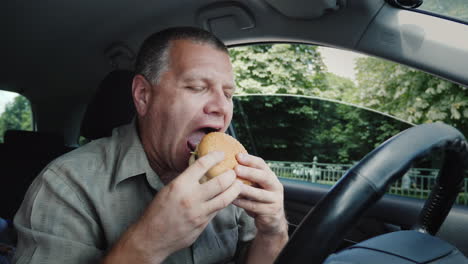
{"x":181,"y":45}
{"x":189,"y":57}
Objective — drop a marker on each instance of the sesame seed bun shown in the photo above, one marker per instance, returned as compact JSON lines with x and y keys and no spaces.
{"x":217,"y":141}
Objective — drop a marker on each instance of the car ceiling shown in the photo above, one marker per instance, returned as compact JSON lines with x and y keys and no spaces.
{"x":61,"y":46}
{"x":61,"y":49}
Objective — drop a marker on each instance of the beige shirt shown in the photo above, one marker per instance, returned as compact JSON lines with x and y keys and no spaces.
{"x":82,"y":202}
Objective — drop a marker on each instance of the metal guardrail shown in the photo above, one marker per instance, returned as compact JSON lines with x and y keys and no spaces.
{"x":417,"y":182}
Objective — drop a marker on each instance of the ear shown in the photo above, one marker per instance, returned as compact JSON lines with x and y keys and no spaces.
{"x":141,"y":91}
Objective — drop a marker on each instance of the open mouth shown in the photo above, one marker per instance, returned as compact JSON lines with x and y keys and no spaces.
{"x":195,"y":138}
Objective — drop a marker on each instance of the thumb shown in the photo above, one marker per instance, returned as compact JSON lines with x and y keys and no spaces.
{"x":196,"y":171}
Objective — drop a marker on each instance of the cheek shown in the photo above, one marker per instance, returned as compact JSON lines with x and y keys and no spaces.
{"x":188,"y":109}
{"x":229,"y":116}
{"x":176,"y":117}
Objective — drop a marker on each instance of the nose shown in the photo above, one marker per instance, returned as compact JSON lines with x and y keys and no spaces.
{"x":218,"y":104}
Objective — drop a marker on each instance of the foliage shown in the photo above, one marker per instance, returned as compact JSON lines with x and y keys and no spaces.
{"x":289,"y":128}
{"x":17,"y":115}
{"x":410,"y":94}
{"x":279,"y":68}
{"x":280,"y":128}
{"x":338,"y":88}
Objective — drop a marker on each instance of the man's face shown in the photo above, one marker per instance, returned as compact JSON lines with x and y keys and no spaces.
{"x":192,"y":98}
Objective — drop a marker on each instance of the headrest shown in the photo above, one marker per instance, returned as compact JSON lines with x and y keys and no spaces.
{"x":24,"y":138}
{"x":111,"y":106}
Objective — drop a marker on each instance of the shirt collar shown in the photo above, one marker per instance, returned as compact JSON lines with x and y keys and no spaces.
{"x":131,"y":157}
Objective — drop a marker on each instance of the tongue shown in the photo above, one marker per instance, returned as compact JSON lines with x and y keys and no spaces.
{"x":194,"y":139}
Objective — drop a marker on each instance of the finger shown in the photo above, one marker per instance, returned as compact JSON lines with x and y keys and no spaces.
{"x":257,"y":194}
{"x":253,"y":206}
{"x":251,"y":161}
{"x":265,"y":178}
{"x":206,"y":221}
{"x":217,"y":185}
{"x":196,"y":171}
{"x":223,"y":199}
{"x":209,"y":217}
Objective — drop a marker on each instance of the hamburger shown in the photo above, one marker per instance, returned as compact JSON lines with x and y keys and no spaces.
{"x":217,"y":141}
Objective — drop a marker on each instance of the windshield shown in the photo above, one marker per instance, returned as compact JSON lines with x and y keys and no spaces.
{"x":312,"y":112}
{"x":455,"y":9}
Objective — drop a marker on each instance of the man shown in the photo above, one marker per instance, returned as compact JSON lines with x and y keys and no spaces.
{"x":132,"y":198}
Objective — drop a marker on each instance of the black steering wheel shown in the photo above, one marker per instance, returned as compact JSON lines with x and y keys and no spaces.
{"x":324,"y":227}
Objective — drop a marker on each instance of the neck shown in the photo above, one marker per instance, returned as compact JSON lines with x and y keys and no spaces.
{"x":165,"y":174}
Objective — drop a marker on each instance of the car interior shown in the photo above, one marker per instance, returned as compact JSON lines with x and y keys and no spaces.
{"x":74,"y":62}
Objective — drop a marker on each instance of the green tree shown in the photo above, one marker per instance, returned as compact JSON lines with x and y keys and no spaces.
{"x":291,"y":128}
{"x":17,"y":115}
{"x":279,"y":68}
{"x":299,"y":128}
{"x":338,"y":88}
{"x":410,"y":94}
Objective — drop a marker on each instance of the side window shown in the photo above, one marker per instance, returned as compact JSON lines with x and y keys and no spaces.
{"x":313,"y":112}
{"x":15,"y":113}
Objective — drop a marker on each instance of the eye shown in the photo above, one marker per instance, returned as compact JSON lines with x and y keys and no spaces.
{"x":228,"y":95}
{"x":228,"y":92}
{"x":196,"y":88}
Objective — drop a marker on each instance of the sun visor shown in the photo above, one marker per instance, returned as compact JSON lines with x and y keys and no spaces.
{"x":223,"y":18}
{"x":306,"y":9}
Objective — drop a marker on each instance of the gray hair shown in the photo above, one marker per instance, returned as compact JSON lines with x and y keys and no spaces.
{"x":153,"y":57}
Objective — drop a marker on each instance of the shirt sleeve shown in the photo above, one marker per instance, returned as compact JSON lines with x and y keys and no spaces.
{"x":55,"y":225}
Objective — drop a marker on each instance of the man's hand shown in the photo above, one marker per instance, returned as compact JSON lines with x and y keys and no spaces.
{"x":180,"y":212}
{"x":266,"y":205}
